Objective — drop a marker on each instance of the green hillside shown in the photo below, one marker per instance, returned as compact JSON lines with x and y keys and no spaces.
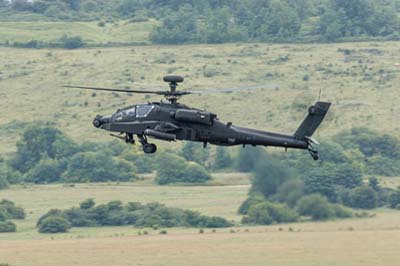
{"x":361,"y":79}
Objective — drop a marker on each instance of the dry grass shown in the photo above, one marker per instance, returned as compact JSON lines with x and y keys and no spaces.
{"x":353,"y":242}
{"x":324,"y":244}
{"x":363,"y":86}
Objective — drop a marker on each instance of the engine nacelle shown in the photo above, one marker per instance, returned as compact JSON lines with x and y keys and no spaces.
{"x":195,"y":116}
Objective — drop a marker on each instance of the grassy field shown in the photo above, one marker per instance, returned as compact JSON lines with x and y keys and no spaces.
{"x":121,"y":32}
{"x":361,"y":80}
{"x":368,"y":241}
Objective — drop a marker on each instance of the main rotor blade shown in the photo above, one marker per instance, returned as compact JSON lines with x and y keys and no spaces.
{"x":267,"y":86}
{"x":117,"y":90}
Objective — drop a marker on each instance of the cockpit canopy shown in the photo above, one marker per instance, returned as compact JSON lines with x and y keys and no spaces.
{"x":136,"y":111}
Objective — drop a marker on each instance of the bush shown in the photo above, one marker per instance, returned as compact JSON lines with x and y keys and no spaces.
{"x":316,"y":206}
{"x":269,"y":175}
{"x":394,"y":199}
{"x":320,"y":181}
{"x":363,"y":198}
{"x":97,"y":167}
{"x":114,"y":213}
{"x":46,"y":171}
{"x":3,"y":214}
{"x":3,"y":182}
{"x":290,"y":192}
{"x":222,"y":159}
{"x":267,"y":213}
{"x":249,"y":202}
{"x":12,"y":211}
{"x":196,"y":173}
{"x":174,"y":169}
{"x":341,"y":212}
{"x":7,"y":227}
{"x":247,"y":158}
{"x":54,"y":224}
{"x":71,"y":42}
{"x":87,"y":204}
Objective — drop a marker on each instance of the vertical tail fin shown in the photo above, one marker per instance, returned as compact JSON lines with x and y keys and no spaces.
{"x":316,"y":114}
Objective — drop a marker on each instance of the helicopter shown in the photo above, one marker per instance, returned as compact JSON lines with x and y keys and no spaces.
{"x":171,"y":121}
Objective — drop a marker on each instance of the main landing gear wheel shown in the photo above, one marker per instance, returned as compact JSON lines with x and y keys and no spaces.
{"x":149,"y":148}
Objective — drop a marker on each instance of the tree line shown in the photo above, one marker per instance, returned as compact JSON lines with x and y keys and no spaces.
{"x":209,"y":21}
{"x":115,"y":213}
{"x":287,"y":187}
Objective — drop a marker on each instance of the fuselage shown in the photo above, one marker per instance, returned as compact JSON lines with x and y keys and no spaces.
{"x":179,"y":122}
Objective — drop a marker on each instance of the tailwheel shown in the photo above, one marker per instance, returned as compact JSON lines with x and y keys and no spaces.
{"x":149,"y":148}
{"x":313,"y":153}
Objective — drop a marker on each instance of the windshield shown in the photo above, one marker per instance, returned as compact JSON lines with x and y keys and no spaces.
{"x":143,"y":110}
{"x":125,"y":113}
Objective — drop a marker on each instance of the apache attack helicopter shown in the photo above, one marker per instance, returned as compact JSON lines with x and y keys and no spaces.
{"x":174,"y":121}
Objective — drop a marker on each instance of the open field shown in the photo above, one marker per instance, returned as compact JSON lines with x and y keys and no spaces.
{"x":361,"y":80}
{"x":369,"y":241}
{"x":121,"y":32}
{"x":37,"y":200}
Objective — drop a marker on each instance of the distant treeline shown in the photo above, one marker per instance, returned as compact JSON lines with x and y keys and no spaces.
{"x":210,"y":21}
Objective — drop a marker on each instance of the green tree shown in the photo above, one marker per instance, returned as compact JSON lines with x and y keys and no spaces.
{"x":195,"y":152}
{"x":3,"y":182}
{"x":269,"y":175}
{"x":247,"y":159}
{"x":222,"y":159}
{"x":39,"y":142}
{"x":267,"y":213}
{"x":177,"y":28}
{"x":46,"y":171}
{"x":87,"y":204}
{"x":394,"y":199}
{"x":170,"y":169}
{"x":321,"y":181}
{"x":316,"y":206}
{"x":97,"y":167}
{"x":72,"y":42}
{"x":7,"y":227}
{"x":54,"y":224}
{"x":363,"y":197}
{"x":195,"y":173}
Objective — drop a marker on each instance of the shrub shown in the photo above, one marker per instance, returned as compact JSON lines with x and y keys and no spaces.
{"x":153,"y":215}
{"x":71,"y":42}
{"x":7,"y":226}
{"x":267,"y":213}
{"x":171,"y":168}
{"x":222,"y":158}
{"x":97,"y":167}
{"x":269,"y":175}
{"x":247,"y":158}
{"x":316,"y":206}
{"x":174,"y":169}
{"x":87,"y":204}
{"x":54,"y":224}
{"x":363,"y":198}
{"x":341,"y":212}
{"x":3,"y":182}
{"x":320,"y":181}
{"x":249,"y":202}
{"x":46,"y":171}
{"x":394,"y":199}
{"x":3,"y":214}
{"x":196,"y":173}
{"x":290,"y":192}
{"x":12,"y":211}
